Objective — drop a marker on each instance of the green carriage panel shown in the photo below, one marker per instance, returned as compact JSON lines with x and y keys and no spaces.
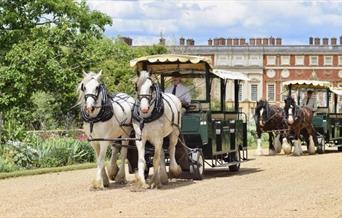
{"x":239,"y":135}
{"x":220,"y":138}
{"x":195,"y":129}
{"x":320,"y":123}
{"x":335,"y":128}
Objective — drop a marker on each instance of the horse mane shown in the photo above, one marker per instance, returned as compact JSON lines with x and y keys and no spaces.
{"x":144,"y":75}
{"x":87,"y":77}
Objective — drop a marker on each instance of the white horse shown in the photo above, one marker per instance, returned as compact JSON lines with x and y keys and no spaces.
{"x":105,"y":117}
{"x":158,"y":116}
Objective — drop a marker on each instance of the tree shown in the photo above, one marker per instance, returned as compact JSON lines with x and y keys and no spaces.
{"x":41,"y":45}
{"x":19,"y":17}
{"x":47,"y":45}
{"x":113,"y":57}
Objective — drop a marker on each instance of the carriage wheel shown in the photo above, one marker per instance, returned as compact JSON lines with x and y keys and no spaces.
{"x":321,"y":147}
{"x":339,"y":148}
{"x":197,"y":165}
{"x":236,"y":157}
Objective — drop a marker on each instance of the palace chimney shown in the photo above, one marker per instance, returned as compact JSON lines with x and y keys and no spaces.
{"x":181,"y":41}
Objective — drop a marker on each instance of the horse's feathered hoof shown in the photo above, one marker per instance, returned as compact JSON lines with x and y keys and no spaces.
{"x":121,"y":181}
{"x":155,"y":182}
{"x":139,"y":185}
{"x":311,"y":147}
{"x":259,"y":152}
{"x":164,"y":180}
{"x":154,"y":185}
{"x":287,"y":151}
{"x":311,"y":152}
{"x":297,"y":154}
{"x":175,"y":172}
{"x":287,"y":148}
{"x":271,"y":152}
{"x":97,"y":185}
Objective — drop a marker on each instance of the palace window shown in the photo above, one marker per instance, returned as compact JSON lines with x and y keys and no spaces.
{"x":255,"y":60}
{"x":222,"y":60}
{"x":328,"y":60}
{"x":238,"y":60}
{"x":314,"y":60}
{"x":270,"y":92}
{"x":300,"y":60}
{"x":285,"y":60}
{"x":271,"y":60}
{"x":339,"y":60}
{"x":254,"y":92}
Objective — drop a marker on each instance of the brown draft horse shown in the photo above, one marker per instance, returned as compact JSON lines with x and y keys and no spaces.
{"x":300,"y":122}
{"x":271,"y":119}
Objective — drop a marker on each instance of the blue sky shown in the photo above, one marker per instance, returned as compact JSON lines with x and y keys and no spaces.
{"x":294,"y":21}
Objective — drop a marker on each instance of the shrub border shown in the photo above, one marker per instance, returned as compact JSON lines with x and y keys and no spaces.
{"x":46,"y":170}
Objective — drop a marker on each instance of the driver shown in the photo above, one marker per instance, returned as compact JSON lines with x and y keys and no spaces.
{"x":309,"y":101}
{"x":179,"y":90}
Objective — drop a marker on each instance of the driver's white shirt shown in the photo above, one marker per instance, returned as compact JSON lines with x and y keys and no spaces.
{"x":310,"y":104}
{"x":182,"y":92}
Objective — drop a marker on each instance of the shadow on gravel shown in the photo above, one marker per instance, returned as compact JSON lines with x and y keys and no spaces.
{"x":216,"y":172}
{"x":177,"y":183}
{"x":113,"y":185}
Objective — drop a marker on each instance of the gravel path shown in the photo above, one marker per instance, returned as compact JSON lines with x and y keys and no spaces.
{"x":268,"y":186}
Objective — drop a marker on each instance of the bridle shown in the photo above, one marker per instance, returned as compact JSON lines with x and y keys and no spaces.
{"x":156,"y":100}
{"x":266,"y":109}
{"x":149,"y":96}
{"x":106,"y":109}
{"x":91,"y":95}
{"x":293,"y":112}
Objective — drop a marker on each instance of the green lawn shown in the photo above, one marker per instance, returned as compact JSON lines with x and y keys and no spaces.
{"x":46,"y":170}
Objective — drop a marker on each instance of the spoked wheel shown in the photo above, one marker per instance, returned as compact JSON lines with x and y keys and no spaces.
{"x":321,"y":146}
{"x":197,"y":165}
{"x":235,"y":157}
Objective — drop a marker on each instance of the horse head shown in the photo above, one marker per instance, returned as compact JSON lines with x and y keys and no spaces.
{"x":261,"y":112}
{"x":145,"y":89}
{"x":90,"y":92}
{"x":290,"y":109}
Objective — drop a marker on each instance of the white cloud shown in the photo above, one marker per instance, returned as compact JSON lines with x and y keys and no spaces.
{"x":294,"y":20}
{"x":146,"y":26}
{"x":115,"y":9}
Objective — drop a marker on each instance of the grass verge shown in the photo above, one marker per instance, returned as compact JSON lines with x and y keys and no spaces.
{"x":46,"y":170}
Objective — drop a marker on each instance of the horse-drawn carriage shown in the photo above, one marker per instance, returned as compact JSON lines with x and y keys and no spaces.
{"x":327,"y":120}
{"x":206,"y":132}
{"x":211,"y":133}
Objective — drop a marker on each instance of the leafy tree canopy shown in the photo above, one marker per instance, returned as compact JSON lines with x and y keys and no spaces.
{"x":46,"y":44}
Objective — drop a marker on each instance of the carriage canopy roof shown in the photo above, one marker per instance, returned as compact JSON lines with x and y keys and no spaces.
{"x":309,"y":84}
{"x":336,"y":90}
{"x":231,"y":75}
{"x":169,"y":63}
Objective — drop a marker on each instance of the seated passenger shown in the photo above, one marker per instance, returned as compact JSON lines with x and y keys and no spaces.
{"x":309,"y":101}
{"x":179,"y":90}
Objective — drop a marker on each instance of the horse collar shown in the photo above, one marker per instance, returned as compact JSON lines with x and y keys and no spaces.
{"x":156,"y":113}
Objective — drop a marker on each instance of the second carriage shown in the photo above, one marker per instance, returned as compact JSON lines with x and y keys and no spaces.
{"x":327,"y":120}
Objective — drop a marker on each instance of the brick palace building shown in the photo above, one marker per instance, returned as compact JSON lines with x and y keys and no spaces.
{"x":268,"y":63}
